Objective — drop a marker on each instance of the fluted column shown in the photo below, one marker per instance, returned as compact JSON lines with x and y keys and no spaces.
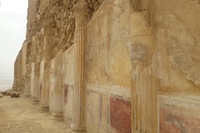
{"x":144,"y":94}
{"x":57,"y":112}
{"x":35,"y":82}
{"x":27,"y":90}
{"x":81,"y":19}
{"x":24,"y":56}
{"x":48,"y":40}
{"x":52,"y":85}
{"x":44,"y":98}
{"x":36,"y":85}
{"x":33,"y":95}
{"x":27,"y":81}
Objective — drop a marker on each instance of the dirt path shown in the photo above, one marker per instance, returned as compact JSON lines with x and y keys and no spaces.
{"x":18,"y":115}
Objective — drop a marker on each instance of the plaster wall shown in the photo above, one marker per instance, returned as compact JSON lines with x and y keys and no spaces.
{"x":177,"y":31}
{"x":107,"y":69}
{"x":68,"y":83}
{"x":177,"y":27}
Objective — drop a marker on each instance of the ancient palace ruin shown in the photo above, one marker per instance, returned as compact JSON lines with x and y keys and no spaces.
{"x":114,"y":66}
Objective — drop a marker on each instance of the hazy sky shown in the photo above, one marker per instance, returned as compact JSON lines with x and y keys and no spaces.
{"x":12,"y":33}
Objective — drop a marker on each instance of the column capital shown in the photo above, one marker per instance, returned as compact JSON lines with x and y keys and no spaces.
{"x":81,"y":14}
{"x":80,"y":8}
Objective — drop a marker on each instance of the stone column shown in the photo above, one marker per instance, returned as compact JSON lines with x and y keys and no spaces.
{"x":24,"y":55}
{"x":27,"y":90}
{"x":57,"y":112}
{"x":81,"y":19}
{"x":48,"y":40}
{"x":52,"y":85}
{"x":44,"y":98}
{"x":27,"y":81}
{"x":18,"y":73}
{"x":144,"y":94}
{"x":35,"y":86}
{"x":32,"y":91}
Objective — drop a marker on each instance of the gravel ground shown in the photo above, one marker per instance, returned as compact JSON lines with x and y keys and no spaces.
{"x":18,"y":115}
{"x":23,"y":126}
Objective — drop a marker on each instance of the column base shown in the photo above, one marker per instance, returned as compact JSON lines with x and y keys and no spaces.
{"x":35,"y":101}
{"x":76,"y":129}
{"x":57,"y":117}
{"x":70,"y":131}
{"x":26,"y":96}
{"x":43,"y":109}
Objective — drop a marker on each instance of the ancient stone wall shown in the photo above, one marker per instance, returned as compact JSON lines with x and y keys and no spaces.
{"x":120,"y":66}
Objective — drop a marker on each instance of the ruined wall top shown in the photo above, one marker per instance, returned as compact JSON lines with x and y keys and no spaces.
{"x":57,"y":15}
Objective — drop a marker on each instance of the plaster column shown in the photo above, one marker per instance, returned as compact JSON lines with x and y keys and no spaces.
{"x":27,"y":81}
{"x":34,"y":97}
{"x":81,"y":20}
{"x":24,"y":55}
{"x":27,"y":86}
{"x":27,"y":91}
{"x":48,"y":40}
{"x":35,"y":86}
{"x":44,"y":98}
{"x":57,"y":112}
{"x":144,"y":93}
{"x":52,"y":85}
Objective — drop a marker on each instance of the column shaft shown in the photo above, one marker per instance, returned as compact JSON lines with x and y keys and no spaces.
{"x":45,"y":79}
{"x":81,"y":20}
{"x":57,"y":98}
{"x":35,"y":82}
{"x":78,"y":92}
{"x":27,"y":81}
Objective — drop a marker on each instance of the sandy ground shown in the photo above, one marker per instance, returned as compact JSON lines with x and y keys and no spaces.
{"x":18,"y":115}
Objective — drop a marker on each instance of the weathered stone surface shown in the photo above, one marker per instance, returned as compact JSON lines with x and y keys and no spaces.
{"x":97,"y":55}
